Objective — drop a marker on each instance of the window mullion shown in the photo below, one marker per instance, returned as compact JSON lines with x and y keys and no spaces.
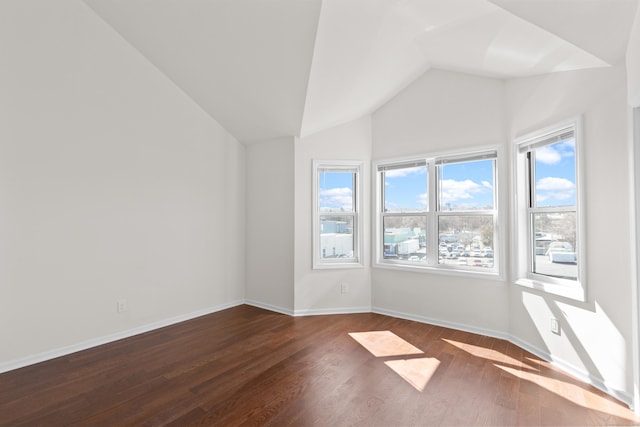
{"x":432,"y":220}
{"x":553,"y":209}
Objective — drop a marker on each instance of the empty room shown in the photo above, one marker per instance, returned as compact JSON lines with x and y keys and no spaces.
{"x":319,"y":212}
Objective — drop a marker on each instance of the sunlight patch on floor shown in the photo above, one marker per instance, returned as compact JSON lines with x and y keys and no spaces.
{"x":572,"y":392}
{"x":416,"y":372}
{"x":487,"y":353}
{"x":384,"y":343}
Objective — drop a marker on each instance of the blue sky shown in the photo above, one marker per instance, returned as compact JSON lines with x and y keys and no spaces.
{"x":556,"y":174}
{"x":466,"y":185}
{"x":406,"y":189}
{"x":336,"y":191}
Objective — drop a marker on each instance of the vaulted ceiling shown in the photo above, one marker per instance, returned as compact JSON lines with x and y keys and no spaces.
{"x":271,"y":68}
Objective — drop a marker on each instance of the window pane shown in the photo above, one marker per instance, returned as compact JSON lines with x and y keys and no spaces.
{"x":466,"y":241}
{"x":405,"y":238}
{"x":555,"y":244}
{"x":336,"y":236}
{"x":555,"y":174}
{"x":405,"y":189}
{"x":336,"y":191}
{"x":466,"y":186}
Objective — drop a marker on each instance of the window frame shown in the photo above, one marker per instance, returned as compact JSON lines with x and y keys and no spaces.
{"x":357,"y":260}
{"x":433,"y":213}
{"x":524,"y":210}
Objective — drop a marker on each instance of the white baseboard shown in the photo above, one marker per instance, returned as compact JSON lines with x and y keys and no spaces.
{"x":443,"y":323}
{"x":569,"y":368}
{"x":328,"y":311}
{"x":270,"y":307}
{"x":94,"y":342}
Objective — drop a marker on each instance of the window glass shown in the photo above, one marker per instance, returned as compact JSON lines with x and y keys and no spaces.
{"x":554,"y":239}
{"x":405,"y":189}
{"x":555,"y":174}
{"x":466,"y":241}
{"x":466,"y":186}
{"x":336,"y":191}
{"x":404,"y":237}
{"x":336,"y":236}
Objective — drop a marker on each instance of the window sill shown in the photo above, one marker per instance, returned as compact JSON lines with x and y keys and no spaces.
{"x":572,"y":290}
{"x":337,"y":265}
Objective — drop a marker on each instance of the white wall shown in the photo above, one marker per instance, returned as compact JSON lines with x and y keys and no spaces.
{"x":633,"y":63}
{"x":596,"y":335}
{"x":113,"y":185}
{"x":270,"y":224}
{"x":441,"y":111}
{"x":319,"y":290}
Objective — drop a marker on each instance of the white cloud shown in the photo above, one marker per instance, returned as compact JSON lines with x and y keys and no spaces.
{"x":552,"y":154}
{"x":568,"y":146}
{"x":548,"y":155}
{"x":551,"y":183}
{"x":453,"y":191}
{"x":555,"y":189}
{"x":337,"y":198}
{"x":422,"y":199}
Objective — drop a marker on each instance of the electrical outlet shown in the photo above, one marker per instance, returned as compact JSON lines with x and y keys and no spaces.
{"x":344,"y":287}
{"x":122,"y":305}
{"x":555,"y":326}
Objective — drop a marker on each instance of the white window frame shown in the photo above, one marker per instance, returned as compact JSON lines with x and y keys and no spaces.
{"x":356,"y":260}
{"x":433,"y":213}
{"x":523,"y":232}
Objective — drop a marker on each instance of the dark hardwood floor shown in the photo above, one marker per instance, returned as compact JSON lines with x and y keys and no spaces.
{"x":248,"y":366}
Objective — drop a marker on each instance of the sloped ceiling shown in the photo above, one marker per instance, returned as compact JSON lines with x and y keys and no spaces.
{"x":600,"y":27}
{"x":270,"y":68}
{"x":245,"y":62}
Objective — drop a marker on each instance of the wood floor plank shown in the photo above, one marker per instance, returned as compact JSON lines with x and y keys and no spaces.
{"x":248,"y":366}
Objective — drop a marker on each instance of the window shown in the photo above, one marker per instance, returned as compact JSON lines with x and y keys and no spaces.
{"x":336,"y":214}
{"x":404,"y":211}
{"x":548,"y":219}
{"x":438,"y":212}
